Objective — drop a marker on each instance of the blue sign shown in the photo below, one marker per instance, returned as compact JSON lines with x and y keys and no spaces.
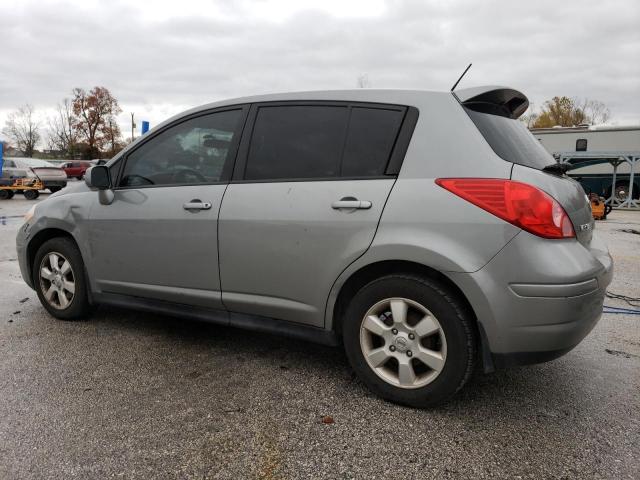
{"x":145,"y":127}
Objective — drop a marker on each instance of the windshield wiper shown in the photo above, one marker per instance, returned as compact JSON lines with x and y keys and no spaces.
{"x":557,"y":168}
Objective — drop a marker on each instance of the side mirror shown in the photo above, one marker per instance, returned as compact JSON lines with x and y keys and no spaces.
{"x":98,"y":177}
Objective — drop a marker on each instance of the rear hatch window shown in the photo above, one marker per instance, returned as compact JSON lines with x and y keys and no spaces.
{"x":508,"y":137}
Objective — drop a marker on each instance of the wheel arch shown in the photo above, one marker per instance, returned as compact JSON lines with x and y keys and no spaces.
{"x":39,"y":239}
{"x":371,"y":271}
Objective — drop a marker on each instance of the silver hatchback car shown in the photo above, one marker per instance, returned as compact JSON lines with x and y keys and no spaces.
{"x":425,"y":231}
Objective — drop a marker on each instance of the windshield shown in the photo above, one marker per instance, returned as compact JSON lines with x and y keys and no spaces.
{"x":511,"y":139}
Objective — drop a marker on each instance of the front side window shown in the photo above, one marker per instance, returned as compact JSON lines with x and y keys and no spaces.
{"x":192,"y":152}
{"x":307,"y":142}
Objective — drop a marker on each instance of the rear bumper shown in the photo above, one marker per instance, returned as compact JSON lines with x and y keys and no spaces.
{"x":537,"y":299}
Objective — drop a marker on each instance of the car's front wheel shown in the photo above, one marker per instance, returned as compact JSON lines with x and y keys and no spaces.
{"x":410,"y":339}
{"x":59,"y":279}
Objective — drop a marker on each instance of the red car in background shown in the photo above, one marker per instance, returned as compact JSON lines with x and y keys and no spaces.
{"x":76,"y":169}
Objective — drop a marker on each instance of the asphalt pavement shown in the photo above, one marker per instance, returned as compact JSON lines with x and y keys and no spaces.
{"x":137,"y":395}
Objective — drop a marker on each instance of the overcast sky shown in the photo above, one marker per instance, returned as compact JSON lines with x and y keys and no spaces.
{"x":161,"y":57}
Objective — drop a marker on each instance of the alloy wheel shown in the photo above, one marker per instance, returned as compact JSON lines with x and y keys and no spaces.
{"x":57,"y":280}
{"x":403,"y":343}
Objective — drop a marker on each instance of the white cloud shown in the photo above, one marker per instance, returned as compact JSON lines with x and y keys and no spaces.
{"x":161,"y":57}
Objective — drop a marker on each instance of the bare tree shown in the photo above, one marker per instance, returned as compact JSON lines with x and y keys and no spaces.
{"x":23,"y":128}
{"x":63,"y":134}
{"x":363,"y":81}
{"x":596,"y":111}
{"x":530,"y":117}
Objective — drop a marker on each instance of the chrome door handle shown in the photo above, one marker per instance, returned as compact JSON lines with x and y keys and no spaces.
{"x":351,"y":204}
{"x":197,"y":204}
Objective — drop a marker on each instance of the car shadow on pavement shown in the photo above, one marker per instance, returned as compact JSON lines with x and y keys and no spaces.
{"x":543,"y":389}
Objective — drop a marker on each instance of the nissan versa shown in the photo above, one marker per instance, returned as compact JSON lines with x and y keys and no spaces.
{"x":425,"y":231}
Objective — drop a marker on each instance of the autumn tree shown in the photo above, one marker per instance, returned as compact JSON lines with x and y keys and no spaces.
{"x":63,"y":133}
{"x":570,"y":112}
{"x":113,"y":137}
{"x":95,"y":111}
{"x":23,"y":128}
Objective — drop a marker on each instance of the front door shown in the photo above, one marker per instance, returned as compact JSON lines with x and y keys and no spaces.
{"x":158,"y":238}
{"x":309,"y":189}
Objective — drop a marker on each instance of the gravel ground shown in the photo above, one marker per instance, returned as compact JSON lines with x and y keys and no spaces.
{"x":132,"y":395}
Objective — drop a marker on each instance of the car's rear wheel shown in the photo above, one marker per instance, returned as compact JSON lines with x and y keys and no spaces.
{"x":409,"y":339}
{"x":59,"y":279}
{"x":31,"y":194}
{"x":55,"y":189}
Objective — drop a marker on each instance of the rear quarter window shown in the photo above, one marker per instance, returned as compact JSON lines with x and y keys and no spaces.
{"x":372,"y":134}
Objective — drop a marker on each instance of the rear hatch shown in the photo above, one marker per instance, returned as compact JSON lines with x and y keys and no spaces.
{"x":495,"y":113}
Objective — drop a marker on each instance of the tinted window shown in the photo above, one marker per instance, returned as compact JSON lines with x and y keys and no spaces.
{"x":192,"y":152}
{"x":296,"y":142}
{"x":581,"y":145}
{"x":511,"y":139}
{"x":372,"y":134}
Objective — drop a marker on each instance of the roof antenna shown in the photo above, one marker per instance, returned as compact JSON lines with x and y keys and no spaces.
{"x":463,"y":74}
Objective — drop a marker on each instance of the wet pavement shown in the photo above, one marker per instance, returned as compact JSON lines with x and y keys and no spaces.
{"x":133,"y":395}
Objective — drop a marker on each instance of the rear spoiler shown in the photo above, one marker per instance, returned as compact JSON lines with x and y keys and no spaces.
{"x":502,"y":101}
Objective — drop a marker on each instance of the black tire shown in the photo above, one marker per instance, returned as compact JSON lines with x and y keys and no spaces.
{"x":79,"y":307}
{"x":455,"y":322}
{"x":55,"y":189}
{"x":31,"y":194}
{"x":5,"y":194}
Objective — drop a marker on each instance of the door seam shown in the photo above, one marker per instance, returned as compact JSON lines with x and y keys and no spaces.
{"x":375,"y":232}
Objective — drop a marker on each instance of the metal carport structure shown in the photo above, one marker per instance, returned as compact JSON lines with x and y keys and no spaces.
{"x":615,"y":159}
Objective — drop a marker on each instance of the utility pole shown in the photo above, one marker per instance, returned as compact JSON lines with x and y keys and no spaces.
{"x":133,"y":126}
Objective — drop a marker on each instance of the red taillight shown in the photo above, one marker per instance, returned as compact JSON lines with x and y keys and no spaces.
{"x":523,"y":205}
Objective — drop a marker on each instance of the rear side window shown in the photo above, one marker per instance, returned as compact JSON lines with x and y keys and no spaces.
{"x":306,"y":142}
{"x":510,"y":138}
{"x":296,"y":142}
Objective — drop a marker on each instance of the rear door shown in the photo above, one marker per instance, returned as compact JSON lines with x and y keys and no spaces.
{"x":159,"y":237}
{"x":309,"y":187}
